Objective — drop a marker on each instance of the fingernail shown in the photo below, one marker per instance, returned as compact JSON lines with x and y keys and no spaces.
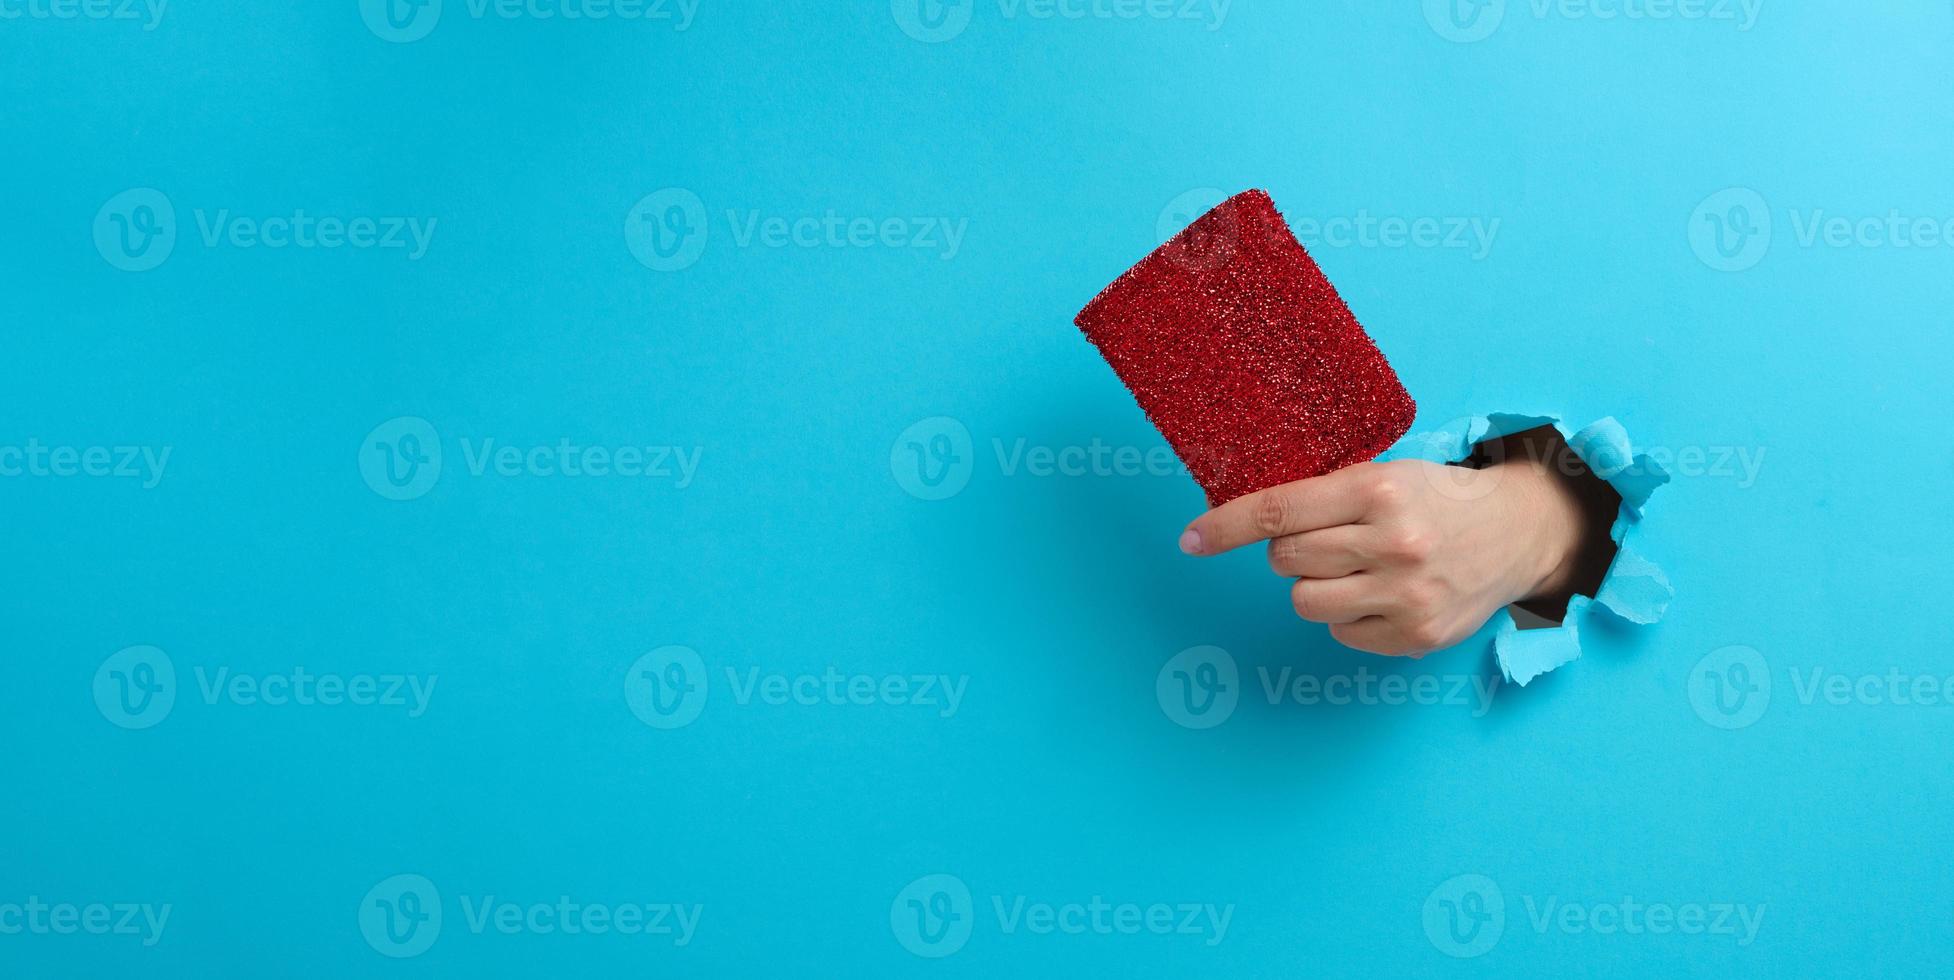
{"x":1191,"y":541}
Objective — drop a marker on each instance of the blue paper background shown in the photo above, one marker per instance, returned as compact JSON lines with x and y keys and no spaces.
{"x":1329,"y":830}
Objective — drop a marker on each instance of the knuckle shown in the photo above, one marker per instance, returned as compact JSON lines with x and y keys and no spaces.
{"x":1282,"y":557}
{"x":1423,"y":635}
{"x":1386,"y":491}
{"x":1409,"y":543}
{"x":1271,"y":514}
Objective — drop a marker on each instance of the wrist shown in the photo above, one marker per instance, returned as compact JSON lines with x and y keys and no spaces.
{"x":1547,"y":525}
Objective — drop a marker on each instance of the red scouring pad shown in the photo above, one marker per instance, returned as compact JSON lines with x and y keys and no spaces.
{"x":1244,"y":356}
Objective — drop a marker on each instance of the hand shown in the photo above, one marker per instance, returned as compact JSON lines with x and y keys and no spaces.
{"x":1408,"y":557}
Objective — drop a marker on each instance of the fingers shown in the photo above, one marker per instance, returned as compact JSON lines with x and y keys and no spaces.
{"x":1338,"y":600}
{"x":1305,"y":505}
{"x":1332,"y":552}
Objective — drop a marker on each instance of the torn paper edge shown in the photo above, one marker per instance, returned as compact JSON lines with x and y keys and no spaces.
{"x":1634,"y":590}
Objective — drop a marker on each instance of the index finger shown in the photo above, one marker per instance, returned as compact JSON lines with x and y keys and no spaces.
{"x":1331,"y":500}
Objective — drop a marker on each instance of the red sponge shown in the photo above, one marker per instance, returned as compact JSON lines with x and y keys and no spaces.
{"x":1244,"y":356}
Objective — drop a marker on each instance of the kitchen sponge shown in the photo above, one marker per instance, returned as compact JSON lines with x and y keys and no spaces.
{"x":1244,"y":357}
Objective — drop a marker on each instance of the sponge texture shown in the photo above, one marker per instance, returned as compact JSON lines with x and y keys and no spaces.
{"x":1244,"y":357}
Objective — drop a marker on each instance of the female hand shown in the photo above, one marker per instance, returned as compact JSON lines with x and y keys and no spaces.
{"x":1408,"y":557}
